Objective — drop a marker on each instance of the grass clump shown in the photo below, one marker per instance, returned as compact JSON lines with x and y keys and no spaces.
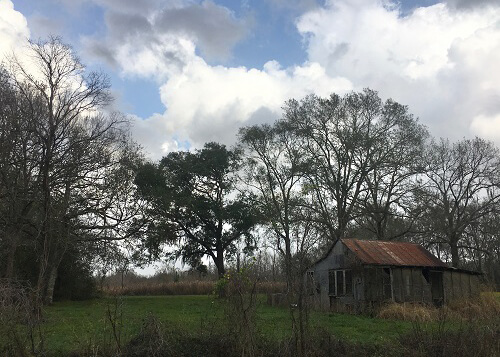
{"x":483,"y":307}
{"x":408,"y":312}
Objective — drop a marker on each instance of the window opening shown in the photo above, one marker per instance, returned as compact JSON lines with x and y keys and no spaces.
{"x":340,"y":282}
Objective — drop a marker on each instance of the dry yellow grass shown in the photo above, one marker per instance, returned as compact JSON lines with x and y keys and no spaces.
{"x":408,"y":312}
{"x":195,"y":287}
{"x":485,"y":306}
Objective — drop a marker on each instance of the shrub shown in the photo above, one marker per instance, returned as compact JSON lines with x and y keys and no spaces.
{"x":19,"y":320}
{"x":485,"y":306}
{"x":152,"y":340}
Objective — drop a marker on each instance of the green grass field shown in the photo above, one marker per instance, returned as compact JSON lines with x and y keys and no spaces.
{"x":195,"y":325}
{"x":75,"y":326}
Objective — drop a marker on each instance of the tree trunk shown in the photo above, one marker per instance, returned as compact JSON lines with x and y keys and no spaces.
{"x":48,"y":297}
{"x":288,"y":267}
{"x":455,"y":261}
{"x":219,"y":264}
{"x":14,"y":236}
{"x":49,"y":263}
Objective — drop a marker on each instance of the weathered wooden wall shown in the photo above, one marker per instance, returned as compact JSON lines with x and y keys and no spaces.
{"x":458,"y":285}
{"x":374,"y":285}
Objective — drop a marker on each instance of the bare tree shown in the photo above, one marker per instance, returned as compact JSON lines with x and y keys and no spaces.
{"x":462,"y":187}
{"x":388,"y":198}
{"x":275,"y":171}
{"x":18,"y":157}
{"x":83,"y":158}
{"x":352,"y":141}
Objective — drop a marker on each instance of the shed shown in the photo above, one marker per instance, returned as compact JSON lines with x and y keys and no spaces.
{"x":358,"y":274}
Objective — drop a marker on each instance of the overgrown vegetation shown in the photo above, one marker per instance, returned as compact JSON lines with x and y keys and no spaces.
{"x":484,"y":307}
{"x":20,"y":320}
{"x":173,"y":283}
{"x":205,"y":326}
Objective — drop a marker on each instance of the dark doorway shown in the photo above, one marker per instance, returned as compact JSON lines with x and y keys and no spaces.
{"x":436,"y":278}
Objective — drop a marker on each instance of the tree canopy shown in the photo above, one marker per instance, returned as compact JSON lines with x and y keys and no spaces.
{"x":194,"y":204}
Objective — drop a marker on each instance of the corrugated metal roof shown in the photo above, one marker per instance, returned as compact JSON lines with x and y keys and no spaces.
{"x":392,"y":253}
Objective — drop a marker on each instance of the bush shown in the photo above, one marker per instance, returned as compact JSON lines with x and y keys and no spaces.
{"x":152,"y":340}
{"x":19,"y":320}
{"x":239,"y":291}
{"x":74,"y":278}
{"x":483,"y":307}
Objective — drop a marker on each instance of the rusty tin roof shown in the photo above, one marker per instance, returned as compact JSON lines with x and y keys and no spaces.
{"x":392,"y":253}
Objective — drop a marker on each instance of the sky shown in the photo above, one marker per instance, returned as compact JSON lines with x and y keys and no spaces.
{"x":192,"y":71}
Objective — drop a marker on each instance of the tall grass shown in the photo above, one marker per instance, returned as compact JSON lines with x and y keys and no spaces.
{"x":483,"y":307}
{"x":408,"y":312}
{"x":479,"y":338}
{"x":486,"y":306}
{"x":194,"y":287}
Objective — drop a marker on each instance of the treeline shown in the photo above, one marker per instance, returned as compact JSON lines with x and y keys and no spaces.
{"x":342,"y":166}
{"x":77,"y":196}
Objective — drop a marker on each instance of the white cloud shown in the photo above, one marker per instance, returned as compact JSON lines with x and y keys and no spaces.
{"x":441,"y":61}
{"x":204,"y":102}
{"x":158,"y":36}
{"x":210,"y":103}
{"x":487,"y":127}
{"x":13,"y":28}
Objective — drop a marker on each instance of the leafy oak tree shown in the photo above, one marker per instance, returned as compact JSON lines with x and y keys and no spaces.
{"x":194,"y":207}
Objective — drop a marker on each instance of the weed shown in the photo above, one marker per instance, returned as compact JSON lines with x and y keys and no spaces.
{"x":151,"y":340}
{"x":239,"y":292}
{"x":482,"y":307}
